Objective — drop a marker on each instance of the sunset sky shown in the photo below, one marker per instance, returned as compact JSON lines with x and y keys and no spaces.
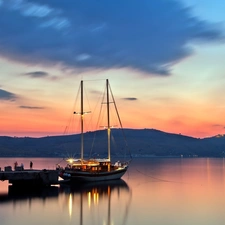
{"x":165,"y":60}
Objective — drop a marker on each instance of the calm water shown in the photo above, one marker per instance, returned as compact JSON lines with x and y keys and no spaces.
{"x":155,"y":191}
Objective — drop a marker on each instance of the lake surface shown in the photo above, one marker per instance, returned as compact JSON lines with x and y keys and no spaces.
{"x":157,"y":191}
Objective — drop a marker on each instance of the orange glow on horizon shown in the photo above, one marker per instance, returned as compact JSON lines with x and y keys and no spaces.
{"x":35,"y":125}
{"x":151,"y":110}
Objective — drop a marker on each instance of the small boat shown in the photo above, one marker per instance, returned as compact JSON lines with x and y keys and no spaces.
{"x":79,"y":170}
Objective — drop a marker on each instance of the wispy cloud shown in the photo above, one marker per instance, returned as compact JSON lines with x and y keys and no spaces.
{"x":30,"y":107}
{"x":130,"y":99}
{"x":218,"y":125}
{"x":50,"y":17}
{"x":5,"y":95}
{"x":37,"y":74}
{"x":148,"y":36}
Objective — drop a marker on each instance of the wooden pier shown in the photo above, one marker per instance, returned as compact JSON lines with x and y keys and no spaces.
{"x":29,"y":177}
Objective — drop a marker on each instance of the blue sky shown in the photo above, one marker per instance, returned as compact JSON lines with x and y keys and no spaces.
{"x":168,"y":53}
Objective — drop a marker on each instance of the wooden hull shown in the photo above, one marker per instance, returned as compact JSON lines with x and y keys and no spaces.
{"x":81,"y":177}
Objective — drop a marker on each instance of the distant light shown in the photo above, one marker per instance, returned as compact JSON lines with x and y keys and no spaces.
{"x":70,"y":160}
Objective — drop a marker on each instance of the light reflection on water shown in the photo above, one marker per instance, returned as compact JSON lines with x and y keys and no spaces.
{"x":155,"y":191}
{"x":102,"y":203}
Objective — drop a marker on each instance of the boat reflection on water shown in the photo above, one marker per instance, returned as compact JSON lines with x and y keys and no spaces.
{"x":99,"y":202}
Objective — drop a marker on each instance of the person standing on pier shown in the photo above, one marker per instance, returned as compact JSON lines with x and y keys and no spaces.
{"x":15,"y":165}
{"x":31,"y":164}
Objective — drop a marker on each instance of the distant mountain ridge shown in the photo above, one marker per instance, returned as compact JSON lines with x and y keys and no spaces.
{"x":141,"y":142}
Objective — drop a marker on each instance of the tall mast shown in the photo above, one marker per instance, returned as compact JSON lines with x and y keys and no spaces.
{"x":82,"y":122}
{"x":108,"y":119}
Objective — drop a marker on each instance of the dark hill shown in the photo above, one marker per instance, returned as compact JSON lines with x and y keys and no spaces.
{"x":143,"y":142}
